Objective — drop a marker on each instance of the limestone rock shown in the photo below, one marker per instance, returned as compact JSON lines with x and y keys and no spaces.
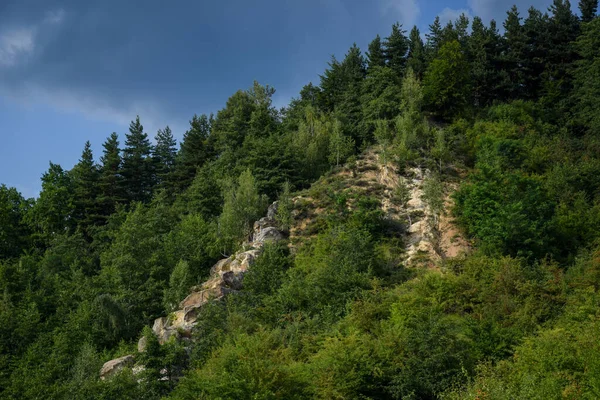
{"x":221,"y":266}
{"x":269,"y":234}
{"x":142,"y":344}
{"x":163,"y":330}
{"x":113,"y":366}
{"x":272,"y":210}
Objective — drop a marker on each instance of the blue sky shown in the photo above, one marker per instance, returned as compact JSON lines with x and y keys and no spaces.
{"x":73,"y":70}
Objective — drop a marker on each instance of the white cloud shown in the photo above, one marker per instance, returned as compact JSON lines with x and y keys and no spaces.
{"x":449,"y":14}
{"x":54,"y":17}
{"x":408,"y":11}
{"x":15,"y":45}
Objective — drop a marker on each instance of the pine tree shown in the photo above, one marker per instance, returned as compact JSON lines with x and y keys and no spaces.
{"x":513,"y":60}
{"x":416,"y":53}
{"x":332,"y":86}
{"x":536,"y":28}
{"x":395,"y":48}
{"x":434,"y":38}
{"x":137,"y":163}
{"x":349,"y":108}
{"x":193,"y":153}
{"x":86,"y":189}
{"x":164,"y":155}
{"x":110,"y":185}
{"x":563,"y":30}
{"x":375,"y":56}
{"x":588,"y":9}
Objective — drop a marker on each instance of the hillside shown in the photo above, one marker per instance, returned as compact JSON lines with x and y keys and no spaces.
{"x":422,"y":224}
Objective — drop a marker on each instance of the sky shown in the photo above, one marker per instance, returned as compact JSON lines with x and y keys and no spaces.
{"x":72,"y":70}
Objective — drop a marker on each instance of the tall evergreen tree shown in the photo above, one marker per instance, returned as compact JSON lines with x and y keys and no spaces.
{"x":349,"y":109}
{"x":514,"y":56}
{"x":13,"y":230}
{"x":395,"y":48}
{"x":137,"y":165}
{"x":434,"y":38}
{"x":375,"y":56}
{"x":536,"y":28}
{"x":193,"y":153}
{"x":587,"y":77}
{"x":416,"y":53}
{"x":86,"y":189}
{"x":588,"y":9}
{"x":563,"y":31}
{"x":110,"y":185}
{"x":332,"y":85}
{"x":163,"y":155}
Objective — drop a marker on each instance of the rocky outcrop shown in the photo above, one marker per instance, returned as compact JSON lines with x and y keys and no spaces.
{"x":111,"y":367}
{"x":226,"y":276}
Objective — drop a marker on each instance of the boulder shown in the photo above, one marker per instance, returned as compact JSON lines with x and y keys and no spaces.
{"x":163,"y":330}
{"x":142,"y":344}
{"x":244,"y":260}
{"x":221,"y":266}
{"x":113,"y":366}
{"x":269,"y":234}
{"x":272,"y":210}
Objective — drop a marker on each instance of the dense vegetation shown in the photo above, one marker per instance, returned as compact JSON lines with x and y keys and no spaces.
{"x":108,"y":246}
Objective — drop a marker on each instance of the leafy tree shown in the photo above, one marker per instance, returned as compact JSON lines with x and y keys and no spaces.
{"x":53,"y":211}
{"x":340,"y":145}
{"x":446,"y":82}
{"x":179,"y":286}
{"x":13,"y":229}
{"x":242,"y":206}
{"x":285,"y":207}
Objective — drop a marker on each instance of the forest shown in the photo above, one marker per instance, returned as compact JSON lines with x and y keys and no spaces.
{"x":508,"y":116}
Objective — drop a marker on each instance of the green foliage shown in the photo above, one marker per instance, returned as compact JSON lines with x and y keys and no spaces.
{"x":446,"y":82}
{"x":242,"y":206}
{"x":285,"y":207}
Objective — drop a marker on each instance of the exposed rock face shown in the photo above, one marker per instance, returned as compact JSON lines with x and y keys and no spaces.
{"x":113,"y":366}
{"x":226,"y":276}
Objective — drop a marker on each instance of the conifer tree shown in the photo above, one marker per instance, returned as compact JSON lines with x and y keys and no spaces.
{"x":349,"y":108}
{"x":588,"y":9}
{"x":395,"y":48}
{"x":375,"y":56}
{"x":513,"y":60}
{"x":193,"y":153}
{"x":137,"y":166}
{"x":434,"y":38}
{"x":86,"y":189}
{"x":163,"y":155}
{"x":416,"y":53}
{"x":110,"y":182}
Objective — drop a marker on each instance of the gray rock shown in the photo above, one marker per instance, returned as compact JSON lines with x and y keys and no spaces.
{"x":113,"y":366}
